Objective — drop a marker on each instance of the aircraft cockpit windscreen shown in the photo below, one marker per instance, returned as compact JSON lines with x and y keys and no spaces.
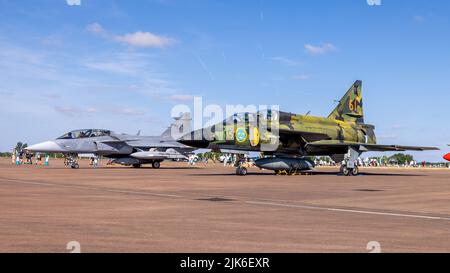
{"x":78,"y":134}
{"x":241,"y":118}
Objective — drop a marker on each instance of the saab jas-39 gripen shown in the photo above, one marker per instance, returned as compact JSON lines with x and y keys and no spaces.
{"x":124,"y":149}
{"x":291,"y":138}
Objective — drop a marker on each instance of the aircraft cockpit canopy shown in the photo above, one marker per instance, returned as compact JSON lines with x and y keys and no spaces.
{"x":245,"y":118}
{"x":77,"y":134}
{"x":240,"y":118}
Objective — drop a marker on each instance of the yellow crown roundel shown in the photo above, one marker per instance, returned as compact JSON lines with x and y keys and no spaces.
{"x":241,"y":135}
{"x":254,"y":141}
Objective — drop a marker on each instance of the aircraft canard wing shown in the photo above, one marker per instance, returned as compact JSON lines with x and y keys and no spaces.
{"x":107,"y":142}
{"x":368,"y":147}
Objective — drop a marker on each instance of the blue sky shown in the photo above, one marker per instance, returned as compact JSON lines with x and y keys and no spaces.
{"x":123,"y":65}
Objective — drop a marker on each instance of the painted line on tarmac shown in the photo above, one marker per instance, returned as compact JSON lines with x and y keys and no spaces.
{"x":350,"y":211}
{"x":94,"y":188}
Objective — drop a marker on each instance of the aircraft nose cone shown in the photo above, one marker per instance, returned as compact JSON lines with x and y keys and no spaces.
{"x":447,"y":157}
{"x":45,"y":147}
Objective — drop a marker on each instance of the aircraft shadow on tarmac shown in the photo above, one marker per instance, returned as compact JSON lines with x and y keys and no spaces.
{"x":231,"y":173}
{"x":373,"y":174}
{"x":309,"y":174}
{"x":149,"y":168}
{"x":129,"y":168}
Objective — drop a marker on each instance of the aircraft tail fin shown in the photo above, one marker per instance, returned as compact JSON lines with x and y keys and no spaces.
{"x":178,"y":128}
{"x":350,"y":107}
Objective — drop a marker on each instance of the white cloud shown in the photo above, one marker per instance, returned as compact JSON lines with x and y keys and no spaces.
{"x":91,"y":110}
{"x":95,"y":28}
{"x":145,"y":39}
{"x":285,"y":61}
{"x":320,"y":49}
{"x":73,"y":2}
{"x":130,"y":63}
{"x":135,"y":39}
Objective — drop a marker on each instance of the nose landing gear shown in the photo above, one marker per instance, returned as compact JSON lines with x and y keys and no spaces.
{"x":156,"y":165}
{"x":345,"y":171}
{"x":242,"y":171}
{"x":72,"y":162}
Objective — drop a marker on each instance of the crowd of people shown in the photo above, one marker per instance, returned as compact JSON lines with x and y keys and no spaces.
{"x":22,"y":156}
{"x":19,"y":157}
{"x":382,"y":162}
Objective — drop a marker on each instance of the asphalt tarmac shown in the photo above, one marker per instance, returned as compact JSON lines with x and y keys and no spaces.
{"x":208,"y":209}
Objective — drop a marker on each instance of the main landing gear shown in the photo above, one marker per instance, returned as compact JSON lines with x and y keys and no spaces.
{"x":155,"y":165}
{"x":349,"y":172}
{"x":241,"y":166}
{"x":242,"y":171}
{"x":349,"y":166}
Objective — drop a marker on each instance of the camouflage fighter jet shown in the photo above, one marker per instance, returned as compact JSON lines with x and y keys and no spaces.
{"x":124,"y":149}
{"x":289,"y":138}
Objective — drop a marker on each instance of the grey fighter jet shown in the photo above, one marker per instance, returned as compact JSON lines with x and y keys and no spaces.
{"x":124,"y":149}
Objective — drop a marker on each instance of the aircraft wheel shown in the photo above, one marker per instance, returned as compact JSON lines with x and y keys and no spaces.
{"x":345,"y":171}
{"x":241,"y":171}
{"x":355,"y":171}
{"x":156,"y":165}
{"x":136,"y":165}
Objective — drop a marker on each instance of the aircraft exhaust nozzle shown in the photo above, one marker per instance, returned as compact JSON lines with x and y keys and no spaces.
{"x":285,"y":164}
